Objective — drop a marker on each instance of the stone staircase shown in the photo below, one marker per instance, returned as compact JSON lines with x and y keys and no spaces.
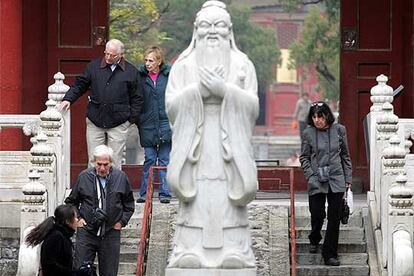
{"x":268,"y":241}
{"x":352,"y":247}
{"x":130,"y":237}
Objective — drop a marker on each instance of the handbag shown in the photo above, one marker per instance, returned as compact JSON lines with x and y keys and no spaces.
{"x":344,"y":209}
{"x":350,"y":200}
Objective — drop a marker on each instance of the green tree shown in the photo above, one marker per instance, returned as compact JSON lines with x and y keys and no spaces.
{"x":319,"y":43}
{"x":136,"y":24}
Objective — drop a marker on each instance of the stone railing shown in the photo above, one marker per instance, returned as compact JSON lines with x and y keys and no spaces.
{"x":48,"y":174}
{"x":390,"y":198}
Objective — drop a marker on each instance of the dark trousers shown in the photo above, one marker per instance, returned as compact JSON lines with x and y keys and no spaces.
{"x":318,"y":214}
{"x":107,"y":247}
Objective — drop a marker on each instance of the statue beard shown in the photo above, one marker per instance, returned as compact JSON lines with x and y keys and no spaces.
{"x":211,"y":55}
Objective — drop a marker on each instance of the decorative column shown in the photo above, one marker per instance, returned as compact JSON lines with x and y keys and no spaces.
{"x":386,"y":126}
{"x":393,"y":162}
{"x":56,"y":92}
{"x":42,"y":159}
{"x":400,"y":224}
{"x":380,"y":94}
{"x":11,"y":68}
{"x":33,"y":212}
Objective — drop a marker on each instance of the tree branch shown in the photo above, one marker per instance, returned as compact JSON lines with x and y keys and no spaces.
{"x":311,"y":2}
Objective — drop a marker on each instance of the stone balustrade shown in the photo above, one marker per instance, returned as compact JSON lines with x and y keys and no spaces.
{"x":390,"y":198}
{"x":47,"y":172}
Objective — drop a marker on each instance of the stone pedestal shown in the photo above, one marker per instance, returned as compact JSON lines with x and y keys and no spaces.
{"x":210,"y":272}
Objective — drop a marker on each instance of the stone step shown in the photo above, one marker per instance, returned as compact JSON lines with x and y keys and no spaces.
{"x":129,"y":243}
{"x":344,"y":246}
{"x":323,"y":270}
{"x":124,"y":268}
{"x":354,"y":221}
{"x":302,"y":218}
{"x":345,"y":258}
{"x":129,"y":232}
{"x":302,"y":211}
{"x":345,"y":233}
{"x":128,"y":255}
{"x":127,"y":268}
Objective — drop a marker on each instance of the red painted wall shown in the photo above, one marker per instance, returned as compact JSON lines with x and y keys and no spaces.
{"x":10,"y":68}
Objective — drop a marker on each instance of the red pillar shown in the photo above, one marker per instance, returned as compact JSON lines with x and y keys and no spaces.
{"x":10,"y":68}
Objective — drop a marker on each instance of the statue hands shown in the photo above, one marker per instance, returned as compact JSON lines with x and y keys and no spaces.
{"x":212,"y":81}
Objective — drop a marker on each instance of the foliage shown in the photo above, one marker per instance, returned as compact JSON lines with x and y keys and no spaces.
{"x":257,"y":42}
{"x":136,"y":24}
{"x":319,"y":44}
{"x":140,"y":24}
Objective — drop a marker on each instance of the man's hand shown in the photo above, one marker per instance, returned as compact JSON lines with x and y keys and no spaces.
{"x":348,"y":185}
{"x":63,"y":105}
{"x":118,"y":226}
{"x":81,"y":223}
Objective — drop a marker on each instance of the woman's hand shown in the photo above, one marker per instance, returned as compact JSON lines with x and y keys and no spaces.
{"x":348,"y":185}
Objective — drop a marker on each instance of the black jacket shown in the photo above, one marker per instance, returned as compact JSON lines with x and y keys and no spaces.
{"x":56,"y":252}
{"x":114,"y":97}
{"x":154,"y":127}
{"x":120,"y":203}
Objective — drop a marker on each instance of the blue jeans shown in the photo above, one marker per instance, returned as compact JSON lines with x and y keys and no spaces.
{"x":156,"y":156}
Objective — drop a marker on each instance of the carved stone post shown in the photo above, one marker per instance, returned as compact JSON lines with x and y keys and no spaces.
{"x":42,"y":159}
{"x":57,"y":92}
{"x":393,"y":162}
{"x":387,"y":125}
{"x":51,"y":123}
{"x":33,"y":213}
{"x":400,"y":224}
{"x":33,"y":209}
{"x":380,"y":94}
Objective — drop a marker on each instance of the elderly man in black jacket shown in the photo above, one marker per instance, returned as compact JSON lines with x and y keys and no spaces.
{"x":115,"y":100}
{"x":105,"y":201}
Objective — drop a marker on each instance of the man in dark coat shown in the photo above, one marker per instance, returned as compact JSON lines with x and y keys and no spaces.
{"x":105,"y":201}
{"x":114,"y":103}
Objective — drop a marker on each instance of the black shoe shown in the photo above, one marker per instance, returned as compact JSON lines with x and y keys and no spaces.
{"x":165,"y":200}
{"x":332,"y":261}
{"x":141,"y":200}
{"x":313,"y":248}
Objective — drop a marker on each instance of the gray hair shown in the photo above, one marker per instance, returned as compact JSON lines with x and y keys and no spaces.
{"x":116,"y":43}
{"x":103,"y":150}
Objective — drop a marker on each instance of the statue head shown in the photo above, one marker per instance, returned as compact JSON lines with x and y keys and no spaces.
{"x":212,"y":25}
{"x":212,"y":29}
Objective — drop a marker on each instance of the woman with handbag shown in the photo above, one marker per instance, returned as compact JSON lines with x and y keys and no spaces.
{"x":327,"y":167}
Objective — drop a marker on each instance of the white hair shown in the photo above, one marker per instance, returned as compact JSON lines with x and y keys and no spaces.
{"x":116,"y":43}
{"x":102,"y":150}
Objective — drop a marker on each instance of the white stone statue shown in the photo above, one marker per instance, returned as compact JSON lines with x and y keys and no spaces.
{"x":212,"y":104}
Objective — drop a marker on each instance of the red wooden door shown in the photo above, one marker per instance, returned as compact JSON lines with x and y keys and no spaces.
{"x":77,"y":31}
{"x":376,"y":39}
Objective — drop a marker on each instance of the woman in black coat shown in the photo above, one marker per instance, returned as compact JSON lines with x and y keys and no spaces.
{"x":55,"y":233}
{"x":327,"y":167}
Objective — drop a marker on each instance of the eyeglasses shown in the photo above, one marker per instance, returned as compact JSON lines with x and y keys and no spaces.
{"x":111,"y":55}
{"x":317,"y":104}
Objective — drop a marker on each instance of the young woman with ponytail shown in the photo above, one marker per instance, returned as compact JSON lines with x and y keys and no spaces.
{"x":55,"y":233}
